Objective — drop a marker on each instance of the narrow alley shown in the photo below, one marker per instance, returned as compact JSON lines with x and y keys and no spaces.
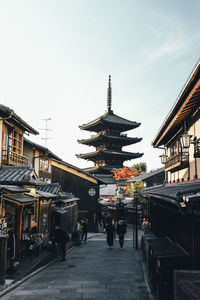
{"x":92,"y":271}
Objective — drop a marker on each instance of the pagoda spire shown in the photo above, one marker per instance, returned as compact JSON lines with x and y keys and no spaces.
{"x":109,"y":95}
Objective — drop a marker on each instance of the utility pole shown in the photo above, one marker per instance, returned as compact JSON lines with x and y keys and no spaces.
{"x":46,"y":129}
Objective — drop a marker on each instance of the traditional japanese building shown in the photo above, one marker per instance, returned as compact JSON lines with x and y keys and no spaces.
{"x":175,"y":205}
{"x":109,"y":140}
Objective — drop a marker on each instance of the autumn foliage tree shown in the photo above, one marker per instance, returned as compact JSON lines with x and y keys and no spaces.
{"x":128,"y":173}
{"x":124,"y":173}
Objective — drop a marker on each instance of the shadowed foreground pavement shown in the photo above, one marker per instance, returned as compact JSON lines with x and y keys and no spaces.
{"x":92,"y":271}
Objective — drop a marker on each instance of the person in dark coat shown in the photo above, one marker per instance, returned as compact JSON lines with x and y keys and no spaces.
{"x":110,"y":229}
{"x":121,"y":231}
{"x":84,"y":230}
{"x":61,"y":238}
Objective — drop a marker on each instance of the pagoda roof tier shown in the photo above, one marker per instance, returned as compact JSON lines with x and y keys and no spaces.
{"x":109,"y":121}
{"x":96,"y":155}
{"x":101,"y":169}
{"x":97,"y":139}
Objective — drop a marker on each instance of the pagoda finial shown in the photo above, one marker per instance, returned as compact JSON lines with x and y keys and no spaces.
{"x":109,"y":95}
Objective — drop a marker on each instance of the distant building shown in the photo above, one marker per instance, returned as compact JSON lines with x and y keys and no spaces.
{"x":152,"y":178}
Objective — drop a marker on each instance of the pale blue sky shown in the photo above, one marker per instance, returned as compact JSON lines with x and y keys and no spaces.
{"x":55,"y":58}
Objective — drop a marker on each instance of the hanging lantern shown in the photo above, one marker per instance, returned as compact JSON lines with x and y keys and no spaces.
{"x":163,"y":158}
{"x":185,"y":141}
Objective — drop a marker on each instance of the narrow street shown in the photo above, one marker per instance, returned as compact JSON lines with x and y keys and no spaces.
{"x":92,"y":271}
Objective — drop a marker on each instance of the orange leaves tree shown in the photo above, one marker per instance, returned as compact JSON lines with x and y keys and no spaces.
{"x":124,"y":173}
{"x":128,"y":173}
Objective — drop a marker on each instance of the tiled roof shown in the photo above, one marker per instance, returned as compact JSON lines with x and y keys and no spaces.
{"x":173,"y":191}
{"x":6,"y":112}
{"x":125,"y":155}
{"x":107,"y":179}
{"x":11,"y":174}
{"x":59,"y":210}
{"x":112,"y":119}
{"x":78,"y":169}
{"x":147,"y":175}
{"x":52,"y":188}
{"x":46,"y":195}
{"x":69,"y":200}
{"x":13,"y":188}
{"x":123,"y":139}
{"x":20,"y":198}
{"x":46,"y":151}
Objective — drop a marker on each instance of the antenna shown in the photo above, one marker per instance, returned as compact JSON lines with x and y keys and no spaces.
{"x":46,"y":129}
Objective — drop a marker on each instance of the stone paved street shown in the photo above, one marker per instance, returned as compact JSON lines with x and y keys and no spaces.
{"x":92,"y":271}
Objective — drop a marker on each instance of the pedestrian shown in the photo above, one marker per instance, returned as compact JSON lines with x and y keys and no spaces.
{"x":78,"y":233}
{"x":121,"y":231}
{"x":61,"y":238}
{"x":110,"y":229}
{"x":104,"y":221}
{"x":84,"y":230}
{"x":145,"y":226}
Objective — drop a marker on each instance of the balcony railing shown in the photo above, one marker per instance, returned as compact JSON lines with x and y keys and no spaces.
{"x":177,"y":162}
{"x":197,"y":148}
{"x":12,"y":158}
{"x":44,"y":174}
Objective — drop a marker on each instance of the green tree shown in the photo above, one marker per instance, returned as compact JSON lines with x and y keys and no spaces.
{"x":136,"y":187}
{"x":139,"y":168}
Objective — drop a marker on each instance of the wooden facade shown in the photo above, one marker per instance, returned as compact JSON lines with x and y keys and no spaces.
{"x":175,"y":206}
{"x":12,"y":129}
{"x":83,"y":185}
{"x":39,"y":158}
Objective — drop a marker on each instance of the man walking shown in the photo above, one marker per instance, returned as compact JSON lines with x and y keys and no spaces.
{"x":121,"y":231}
{"x":61,"y":238}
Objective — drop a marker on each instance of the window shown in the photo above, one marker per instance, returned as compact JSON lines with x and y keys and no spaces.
{"x":44,"y":164}
{"x":12,"y":139}
{"x":173,"y":150}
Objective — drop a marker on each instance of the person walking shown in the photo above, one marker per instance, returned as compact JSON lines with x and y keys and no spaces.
{"x":121,"y":231}
{"x":78,"y":233}
{"x":84,"y":230}
{"x":110,"y":229}
{"x":61,"y":238}
{"x":145,"y":226}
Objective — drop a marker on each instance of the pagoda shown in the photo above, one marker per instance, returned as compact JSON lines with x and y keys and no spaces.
{"x":109,"y":140}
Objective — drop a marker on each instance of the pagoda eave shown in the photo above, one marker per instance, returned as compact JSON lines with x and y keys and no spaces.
{"x":93,"y":156}
{"x":106,"y":125}
{"x":98,"y":138}
{"x":100,"y":169}
{"x":109,"y":120}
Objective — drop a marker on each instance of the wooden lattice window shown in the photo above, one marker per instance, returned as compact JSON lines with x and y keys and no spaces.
{"x":44,"y":164}
{"x":13,"y":139}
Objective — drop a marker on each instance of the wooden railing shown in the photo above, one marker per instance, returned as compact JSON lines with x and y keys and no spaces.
{"x":12,"y":158}
{"x":179,"y":161}
{"x":197,"y":148}
{"x":44,"y":174}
